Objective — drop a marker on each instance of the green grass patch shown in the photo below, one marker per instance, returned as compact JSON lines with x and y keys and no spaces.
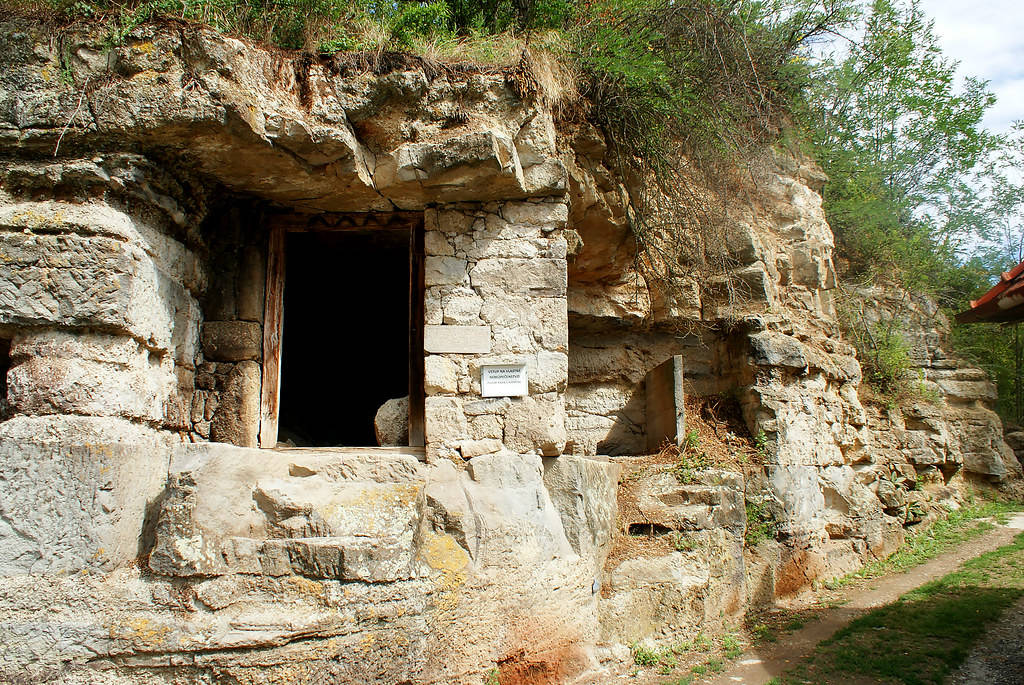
{"x":685,"y":680}
{"x":731,"y":646}
{"x":957,"y":527}
{"x":926,"y":633}
{"x":646,"y":656}
{"x":795,"y":624}
{"x":715,"y":653}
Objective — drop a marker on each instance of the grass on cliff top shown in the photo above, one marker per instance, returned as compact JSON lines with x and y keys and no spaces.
{"x":325,"y":26}
{"x":957,"y":527}
{"x":690,"y":97}
{"x":926,"y":633}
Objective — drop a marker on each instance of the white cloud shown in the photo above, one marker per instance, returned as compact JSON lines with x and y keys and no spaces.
{"x":987,"y":38}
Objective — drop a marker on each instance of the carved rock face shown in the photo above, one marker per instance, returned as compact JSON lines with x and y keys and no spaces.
{"x":133,"y":259}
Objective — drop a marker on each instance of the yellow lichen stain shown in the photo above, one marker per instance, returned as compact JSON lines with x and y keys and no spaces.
{"x":146,"y":47}
{"x":29,"y":219}
{"x":141,"y":631}
{"x":398,"y":494}
{"x":307,"y":588}
{"x":47,"y":73}
{"x":32,"y":219}
{"x":442,"y":553}
{"x":376,"y":504}
{"x":146,"y":75}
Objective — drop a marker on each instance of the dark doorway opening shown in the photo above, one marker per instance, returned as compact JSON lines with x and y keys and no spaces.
{"x":346,"y":333}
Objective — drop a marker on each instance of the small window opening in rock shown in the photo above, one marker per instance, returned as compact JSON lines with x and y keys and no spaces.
{"x":345,"y":339}
{"x":648,"y":529}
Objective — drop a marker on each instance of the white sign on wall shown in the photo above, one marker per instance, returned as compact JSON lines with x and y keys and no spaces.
{"x":507,"y":380}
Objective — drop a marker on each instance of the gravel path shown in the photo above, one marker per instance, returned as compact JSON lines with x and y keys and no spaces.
{"x":998,"y":659}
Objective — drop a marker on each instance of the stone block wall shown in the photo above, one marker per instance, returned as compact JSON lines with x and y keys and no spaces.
{"x":495,"y":278}
{"x":226,"y":403}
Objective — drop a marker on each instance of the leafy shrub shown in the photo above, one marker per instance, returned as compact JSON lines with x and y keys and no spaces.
{"x":882,"y":350}
{"x":418,"y":20}
{"x":886,"y":364}
{"x":761,"y":524}
{"x":325,"y":25}
{"x":687,"y":93}
{"x":732,"y":646}
{"x":681,"y":542}
{"x":761,"y":443}
{"x":498,"y":16}
{"x":691,"y":460}
{"x":293,"y":24}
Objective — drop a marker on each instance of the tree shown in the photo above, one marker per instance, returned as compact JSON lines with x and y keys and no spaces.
{"x":998,"y":348}
{"x":899,"y":140}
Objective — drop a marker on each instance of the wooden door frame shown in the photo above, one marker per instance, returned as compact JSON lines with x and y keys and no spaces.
{"x":273,"y":310}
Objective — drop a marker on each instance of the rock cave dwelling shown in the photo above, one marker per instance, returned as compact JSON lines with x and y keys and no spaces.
{"x":307,"y":379}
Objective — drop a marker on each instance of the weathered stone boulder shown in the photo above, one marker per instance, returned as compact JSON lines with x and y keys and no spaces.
{"x":391,"y":424}
{"x":772,"y":349}
{"x":73,"y":510}
{"x":316,"y":153}
{"x":296,"y":553}
{"x":584,"y":491}
{"x":215,"y":522}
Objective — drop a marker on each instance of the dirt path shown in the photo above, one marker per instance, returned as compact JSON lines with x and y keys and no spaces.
{"x":759,"y":664}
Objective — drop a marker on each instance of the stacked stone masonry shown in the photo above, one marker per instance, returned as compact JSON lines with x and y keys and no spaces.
{"x":500,"y":268}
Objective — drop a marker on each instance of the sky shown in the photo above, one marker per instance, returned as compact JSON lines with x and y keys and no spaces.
{"x":987,"y":38}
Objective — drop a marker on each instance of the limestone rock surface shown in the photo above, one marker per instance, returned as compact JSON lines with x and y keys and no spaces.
{"x":299,"y":554}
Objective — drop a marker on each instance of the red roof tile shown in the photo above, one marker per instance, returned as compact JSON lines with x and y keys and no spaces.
{"x":1004,"y":302}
